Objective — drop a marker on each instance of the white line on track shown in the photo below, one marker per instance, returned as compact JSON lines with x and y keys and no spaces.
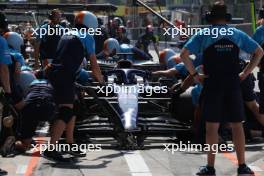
{"x":136,"y":163}
{"x":21,"y":169}
{"x":255,"y":168}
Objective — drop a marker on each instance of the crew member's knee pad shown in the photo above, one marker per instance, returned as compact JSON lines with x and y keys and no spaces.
{"x":65,"y":114}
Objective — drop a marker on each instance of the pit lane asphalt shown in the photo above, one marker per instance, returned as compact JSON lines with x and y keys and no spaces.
{"x":152,"y":161}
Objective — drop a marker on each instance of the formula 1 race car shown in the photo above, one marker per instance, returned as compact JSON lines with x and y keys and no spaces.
{"x":130,"y":109}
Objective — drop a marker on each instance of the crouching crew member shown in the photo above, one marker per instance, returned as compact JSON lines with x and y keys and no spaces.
{"x":38,"y":106}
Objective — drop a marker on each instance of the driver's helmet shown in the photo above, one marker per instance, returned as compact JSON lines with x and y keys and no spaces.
{"x":87,"y":19}
{"x":112,"y":46}
{"x":14,"y":40}
{"x":165,"y":55}
{"x":24,"y":80}
{"x":127,"y":48}
{"x":125,"y":64}
{"x":173,"y":60}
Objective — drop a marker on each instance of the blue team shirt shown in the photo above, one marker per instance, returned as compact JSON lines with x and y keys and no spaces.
{"x":39,"y":89}
{"x":5,"y":57}
{"x":200,"y":42}
{"x":259,"y":35}
{"x":87,"y":41}
{"x":17,"y":56}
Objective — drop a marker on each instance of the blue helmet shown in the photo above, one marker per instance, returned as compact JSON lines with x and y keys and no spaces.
{"x":86,"y":18}
{"x":111,"y":45}
{"x":14,"y":40}
{"x":25,"y":79}
{"x":166,"y":54}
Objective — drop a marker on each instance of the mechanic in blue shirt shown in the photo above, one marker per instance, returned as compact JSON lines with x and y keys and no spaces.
{"x":38,"y":105}
{"x":259,"y":37}
{"x":222,"y":98}
{"x":15,"y":43}
{"x":5,"y":60}
{"x":247,"y":89}
{"x":72,"y":48}
{"x":179,"y":70}
{"x":110,"y":49}
{"x":48,"y":38}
